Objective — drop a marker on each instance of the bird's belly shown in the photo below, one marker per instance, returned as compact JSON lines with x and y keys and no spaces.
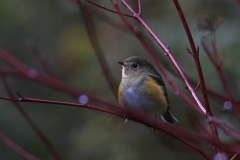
{"x":136,"y":98}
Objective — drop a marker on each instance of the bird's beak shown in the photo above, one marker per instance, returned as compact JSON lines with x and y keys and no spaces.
{"x":121,"y":63}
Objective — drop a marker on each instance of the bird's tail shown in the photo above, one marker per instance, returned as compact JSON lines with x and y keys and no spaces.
{"x":168,"y":117}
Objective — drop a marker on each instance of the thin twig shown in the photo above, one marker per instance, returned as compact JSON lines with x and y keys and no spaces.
{"x":45,"y":65}
{"x":108,"y":9}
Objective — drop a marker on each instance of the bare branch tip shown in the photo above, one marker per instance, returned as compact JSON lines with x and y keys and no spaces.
{"x":189,"y":51}
{"x":197,"y":86}
{"x":19,"y":95}
{"x":168,"y":46}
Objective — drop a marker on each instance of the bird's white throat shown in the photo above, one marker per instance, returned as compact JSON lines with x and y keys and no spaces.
{"x":123,"y":73}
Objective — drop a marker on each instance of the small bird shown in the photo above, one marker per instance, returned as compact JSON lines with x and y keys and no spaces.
{"x":143,"y":89}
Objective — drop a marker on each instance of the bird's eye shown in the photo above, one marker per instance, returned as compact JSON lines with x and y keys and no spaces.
{"x":135,"y":65}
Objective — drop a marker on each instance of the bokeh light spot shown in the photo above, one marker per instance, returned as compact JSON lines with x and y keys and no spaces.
{"x":177,"y":93}
{"x":227,"y":105}
{"x":32,"y":73}
{"x":83,"y":99}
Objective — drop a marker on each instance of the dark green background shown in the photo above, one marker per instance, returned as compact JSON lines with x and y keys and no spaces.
{"x":57,"y":28}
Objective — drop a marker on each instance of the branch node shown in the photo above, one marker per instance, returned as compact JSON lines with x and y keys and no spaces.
{"x":210,"y":118}
{"x":168,"y":46}
{"x":197,"y":53}
{"x":189,"y":51}
{"x":167,"y":51}
{"x":21,"y":97}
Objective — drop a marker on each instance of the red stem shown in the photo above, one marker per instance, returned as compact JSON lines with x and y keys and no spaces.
{"x":41,"y":59}
{"x":146,"y":46}
{"x":235,"y":156}
{"x":199,"y":69}
{"x":17,"y":149}
{"x":108,"y":19}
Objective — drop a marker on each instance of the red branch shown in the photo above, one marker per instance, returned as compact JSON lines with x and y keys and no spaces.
{"x":218,"y":65}
{"x":195,"y":54}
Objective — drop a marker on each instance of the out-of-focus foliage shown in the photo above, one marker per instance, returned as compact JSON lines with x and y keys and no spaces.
{"x":57,"y":28}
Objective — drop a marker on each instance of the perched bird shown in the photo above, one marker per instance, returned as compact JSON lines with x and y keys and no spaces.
{"x":143,"y":89}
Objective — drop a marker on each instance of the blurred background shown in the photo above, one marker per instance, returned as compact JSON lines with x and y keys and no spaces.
{"x":58,"y":31}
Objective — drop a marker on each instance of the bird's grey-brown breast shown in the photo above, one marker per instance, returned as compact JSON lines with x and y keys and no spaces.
{"x":137,"y":95}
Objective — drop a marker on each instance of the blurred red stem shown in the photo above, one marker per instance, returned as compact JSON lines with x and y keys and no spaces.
{"x":31,"y":123}
{"x":108,"y":20}
{"x":103,"y":7}
{"x":16,"y":148}
{"x":140,"y":118}
{"x":139,"y":8}
{"x":41,"y":59}
{"x":143,"y":119}
{"x":95,"y":43}
{"x":213,"y":40}
{"x":235,"y":156}
{"x":123,"y":28}
{"x":51,"y":82}
{"x":227,"y":130}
